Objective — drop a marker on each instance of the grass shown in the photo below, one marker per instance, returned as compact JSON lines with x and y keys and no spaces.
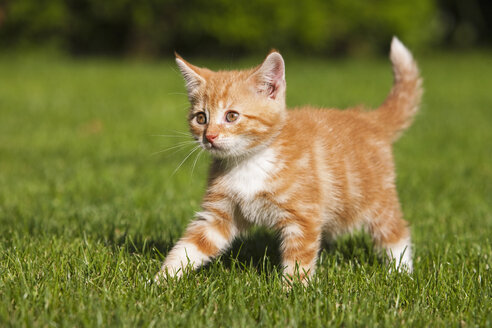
{"x":87,"y":213}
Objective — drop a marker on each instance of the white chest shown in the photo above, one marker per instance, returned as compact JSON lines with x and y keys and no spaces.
{"x":249,"y":179}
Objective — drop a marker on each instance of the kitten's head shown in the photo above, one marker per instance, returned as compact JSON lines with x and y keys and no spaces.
{"x":235,"y":113}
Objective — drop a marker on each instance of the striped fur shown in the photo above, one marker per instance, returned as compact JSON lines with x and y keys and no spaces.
{"x":306,"y":172}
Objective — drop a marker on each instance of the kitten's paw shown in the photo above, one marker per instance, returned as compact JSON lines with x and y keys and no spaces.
{"x":291,"y":280}
{"x":400,"y":256}
{"x":405,"y":268}
{"x":162,"y":277}
{"x":400,"y":267}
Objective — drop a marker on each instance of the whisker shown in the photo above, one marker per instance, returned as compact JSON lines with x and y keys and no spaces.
{"x":168,"y":136}
{"x":172,"y":133}
{"x":179,"y":145}
{"x":184,"y":160}
{"x":183,"y":142}
{"x":175,"y":152}
{"x":196,"y":160}
{"x":181,"y":132}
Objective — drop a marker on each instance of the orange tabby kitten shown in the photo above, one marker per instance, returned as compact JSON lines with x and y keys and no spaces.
{"x":305,"y":172}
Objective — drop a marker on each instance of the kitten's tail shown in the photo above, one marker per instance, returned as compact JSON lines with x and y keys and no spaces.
{"x":397,"y":111}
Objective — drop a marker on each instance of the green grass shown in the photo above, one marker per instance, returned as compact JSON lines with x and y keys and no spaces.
{"x":87,"y":213}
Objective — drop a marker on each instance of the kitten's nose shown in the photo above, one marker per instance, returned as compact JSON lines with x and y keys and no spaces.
{"x":211,"y":137}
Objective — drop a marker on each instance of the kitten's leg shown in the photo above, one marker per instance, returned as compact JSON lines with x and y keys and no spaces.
{"x":205,"y":238}
{"x":391,"y":232}
{"x":301,"y":240}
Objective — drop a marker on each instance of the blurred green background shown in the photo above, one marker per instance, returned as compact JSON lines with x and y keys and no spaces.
{"x":90,"y":139}
{"x":152,"y":28}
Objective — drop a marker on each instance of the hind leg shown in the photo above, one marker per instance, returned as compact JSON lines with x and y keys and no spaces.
{"x":391,"y":233}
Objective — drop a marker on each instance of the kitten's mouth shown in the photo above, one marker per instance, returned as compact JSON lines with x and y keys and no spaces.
{"x":211,"y":146}
{"x":216,"y":150}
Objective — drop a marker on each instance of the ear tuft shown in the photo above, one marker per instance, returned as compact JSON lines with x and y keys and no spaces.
{"x":190,"y":74}
{"x":270,"y":76}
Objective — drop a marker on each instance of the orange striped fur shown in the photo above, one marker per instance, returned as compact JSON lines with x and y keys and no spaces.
{"x":306,"y":172}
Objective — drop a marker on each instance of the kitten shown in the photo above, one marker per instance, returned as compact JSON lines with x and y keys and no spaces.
{"x":305,"y":172}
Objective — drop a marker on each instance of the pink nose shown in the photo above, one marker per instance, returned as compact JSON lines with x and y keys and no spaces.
{"x":211,"y":137}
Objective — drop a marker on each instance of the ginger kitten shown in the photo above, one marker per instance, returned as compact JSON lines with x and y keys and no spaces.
{"x":306,"y":172}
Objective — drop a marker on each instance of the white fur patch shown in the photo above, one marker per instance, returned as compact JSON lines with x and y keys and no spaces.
{"x":249,"y":177}
{"x":400,"y":55}
{"x":182,"y":255}
{"x":401,"y":253}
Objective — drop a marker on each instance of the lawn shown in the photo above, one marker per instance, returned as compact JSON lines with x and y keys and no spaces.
{"x":89,"y":207}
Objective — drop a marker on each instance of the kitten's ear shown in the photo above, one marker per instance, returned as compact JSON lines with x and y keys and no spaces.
{"x":270,"y":76}
{"x":191,"y":74}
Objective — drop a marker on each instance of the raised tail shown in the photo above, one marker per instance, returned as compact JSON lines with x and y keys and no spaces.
{"x":399,"y":108}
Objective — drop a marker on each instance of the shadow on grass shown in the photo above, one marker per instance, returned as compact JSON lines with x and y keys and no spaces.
{"x":259,"y":250}
{"x":138,"y":244}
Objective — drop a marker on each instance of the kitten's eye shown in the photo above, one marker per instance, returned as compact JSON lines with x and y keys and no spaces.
{"x":231,"y":116}
{"x":201,"y":118}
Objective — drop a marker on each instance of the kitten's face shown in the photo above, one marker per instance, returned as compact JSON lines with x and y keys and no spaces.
{"x":234,"y":113}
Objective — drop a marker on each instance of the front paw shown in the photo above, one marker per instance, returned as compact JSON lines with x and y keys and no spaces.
{"x":162,"y":277}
